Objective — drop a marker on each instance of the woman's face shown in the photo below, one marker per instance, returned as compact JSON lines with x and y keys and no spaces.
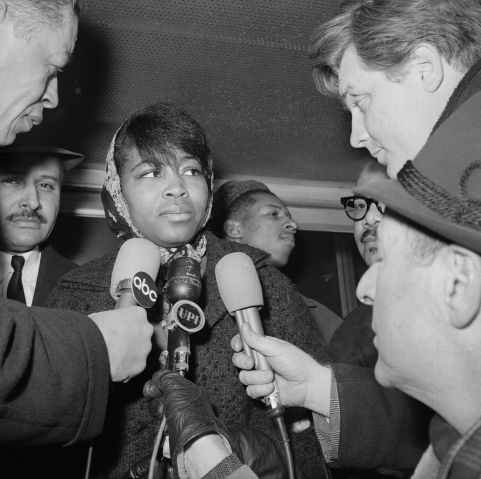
{"x":167,"y":203}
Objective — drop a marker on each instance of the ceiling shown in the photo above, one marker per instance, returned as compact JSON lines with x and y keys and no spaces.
{"x":240,"y":67}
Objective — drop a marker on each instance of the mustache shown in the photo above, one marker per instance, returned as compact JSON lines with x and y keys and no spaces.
{"x":27,"y":215}
{"x":370,"y":234}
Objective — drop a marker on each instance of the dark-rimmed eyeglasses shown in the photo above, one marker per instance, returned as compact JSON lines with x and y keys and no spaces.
{"x":356,"y":207}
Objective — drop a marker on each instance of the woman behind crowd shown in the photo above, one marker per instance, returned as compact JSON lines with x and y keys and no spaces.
{"x":158,"y":185}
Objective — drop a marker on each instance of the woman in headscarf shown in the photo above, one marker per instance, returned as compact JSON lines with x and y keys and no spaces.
{"x":158,"y":185}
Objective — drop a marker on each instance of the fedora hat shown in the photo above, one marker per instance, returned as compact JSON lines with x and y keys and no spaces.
{"x":68,"y":158}
{"x":440,"y":190}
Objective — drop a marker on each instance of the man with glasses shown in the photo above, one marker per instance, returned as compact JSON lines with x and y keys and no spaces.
{"x":352,"y":341}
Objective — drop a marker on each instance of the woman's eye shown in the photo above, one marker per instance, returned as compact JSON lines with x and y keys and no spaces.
{"x":150,"y":174}
{"x":46,"y":186}
{"x":192,"y":171}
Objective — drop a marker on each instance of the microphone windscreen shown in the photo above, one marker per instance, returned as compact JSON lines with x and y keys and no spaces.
{"x":136,"y":254}
{"x":238,"y":283}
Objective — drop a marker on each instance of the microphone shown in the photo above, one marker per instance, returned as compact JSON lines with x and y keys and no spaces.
{"x":135,"y":270}
{"x":183,"y":289}
{"x":241,"y":293}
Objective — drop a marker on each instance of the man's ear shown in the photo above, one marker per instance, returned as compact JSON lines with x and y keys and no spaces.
{"x":463,"y":285}
{"x":429,"y":66}
{"x":233,"y":230}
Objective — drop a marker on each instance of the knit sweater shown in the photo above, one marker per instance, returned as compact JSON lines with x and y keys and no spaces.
{"x":130,"y":431}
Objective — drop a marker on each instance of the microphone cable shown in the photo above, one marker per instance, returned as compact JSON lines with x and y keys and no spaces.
{"x":277,"y":416}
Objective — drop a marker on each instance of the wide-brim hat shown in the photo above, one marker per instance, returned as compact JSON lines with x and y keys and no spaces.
{"x":441,"y":189}
{"x":69,"y":159}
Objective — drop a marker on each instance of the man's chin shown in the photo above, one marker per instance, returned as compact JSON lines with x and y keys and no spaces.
{"x":371,"y":255}
{"x":382,"y":375}
{"x":7,"y":137}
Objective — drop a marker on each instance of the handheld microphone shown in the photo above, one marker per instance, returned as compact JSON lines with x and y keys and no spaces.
{"x":135,"y":270}
{"x":183,"y":290}
{"x":241,"y":293}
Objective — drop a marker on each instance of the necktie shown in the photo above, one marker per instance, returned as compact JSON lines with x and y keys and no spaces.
{"x":15,"y":288}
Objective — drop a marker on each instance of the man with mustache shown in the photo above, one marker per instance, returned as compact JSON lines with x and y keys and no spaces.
{"x":352,"y":341}
{"x":55,"y":366}
{"x":30,"y":183}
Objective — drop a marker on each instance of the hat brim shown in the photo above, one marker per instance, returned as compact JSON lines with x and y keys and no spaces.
{"x":69,"y":159}
{"x":396,"y":198}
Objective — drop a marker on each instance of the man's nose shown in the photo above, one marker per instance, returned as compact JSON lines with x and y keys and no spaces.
{"x":50,"y":97}
{"x":30,"y":199}
{"x":373,"y":216}
{"x":366,"y":289}
{"x":291,"y":225}
{"x":359,"y":134}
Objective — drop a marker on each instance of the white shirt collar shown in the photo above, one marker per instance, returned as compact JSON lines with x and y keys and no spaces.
{"x":29,"y":272}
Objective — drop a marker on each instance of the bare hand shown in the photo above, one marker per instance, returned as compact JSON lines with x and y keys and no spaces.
{"x":127,"y":334}
{"x":301,"y":380}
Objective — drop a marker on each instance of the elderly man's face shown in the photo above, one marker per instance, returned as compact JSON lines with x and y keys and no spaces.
{"x":28,"y":73}
{"x":405,"y":317}
{"x":29,"y":202}
{"x":391,"y":118}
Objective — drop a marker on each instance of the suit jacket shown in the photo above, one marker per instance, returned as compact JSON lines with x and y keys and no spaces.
{"x":52,"y":268}
{"x":27,"y":462}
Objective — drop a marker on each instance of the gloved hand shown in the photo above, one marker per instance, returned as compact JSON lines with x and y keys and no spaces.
{"x":189,"y":416}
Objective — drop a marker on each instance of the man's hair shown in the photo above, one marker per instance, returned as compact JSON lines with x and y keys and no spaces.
{"x":157,"y":130}
{"x":239,"y":206}
{"x":386,"y":32}
{"x":29,"y":15}
{"x":231,"y":200}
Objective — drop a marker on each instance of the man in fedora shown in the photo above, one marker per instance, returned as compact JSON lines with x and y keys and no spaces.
{"x":426,"y":293}
{"x":30,"y":183}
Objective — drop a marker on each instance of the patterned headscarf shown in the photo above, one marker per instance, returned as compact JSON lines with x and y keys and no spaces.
{"x":118,"y":215}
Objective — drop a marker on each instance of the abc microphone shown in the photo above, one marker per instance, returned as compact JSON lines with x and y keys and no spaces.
{"x":241,"y":293}
{"x":135,"y":270}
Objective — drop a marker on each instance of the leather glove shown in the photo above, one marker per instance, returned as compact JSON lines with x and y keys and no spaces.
{"x":189,"y":416}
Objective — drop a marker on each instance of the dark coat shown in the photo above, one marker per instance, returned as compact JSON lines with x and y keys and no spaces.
{"x":352,"y":342}
{"x":31,"y":462}
{"x":54,"y":376}
{"x":368,"y":410}
{"x":130,"y":430}
{"x":52,"y":268}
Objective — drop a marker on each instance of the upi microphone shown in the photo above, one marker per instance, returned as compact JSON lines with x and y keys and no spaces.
{"x":183,"y":290}
{"x":135,"y":270}
{"x":241,"y":293}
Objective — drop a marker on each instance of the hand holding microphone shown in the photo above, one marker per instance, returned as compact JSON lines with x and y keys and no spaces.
{"x":241,"y":292}
{"x":126,"y":332}
{"x":301,"y":380}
